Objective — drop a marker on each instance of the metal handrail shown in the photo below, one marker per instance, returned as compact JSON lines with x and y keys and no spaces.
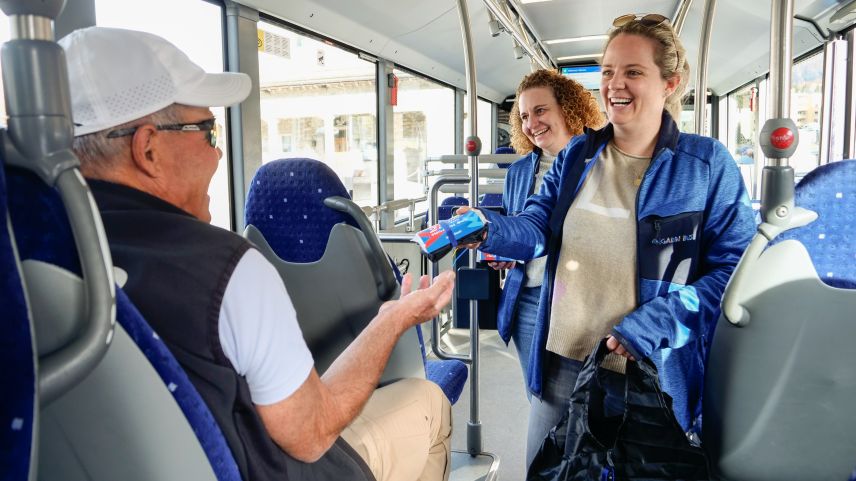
{"x":703,"y":50}
{"x":489,"y":173}
{"x":39,"y":138}
{"x":483,"y":158}
{"x":483,"y":189}
{"x":433,"y":208}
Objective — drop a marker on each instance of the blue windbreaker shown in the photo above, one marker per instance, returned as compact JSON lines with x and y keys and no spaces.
{"x":694,"y":220}
{"x":519,"y":183}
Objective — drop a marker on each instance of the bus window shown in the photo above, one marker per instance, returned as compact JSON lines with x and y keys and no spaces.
{"x":743,"y":119}
{"x":485,"y":125}
{"x":203,"y":43}
{"x":319,"y":101}
{"x":806,"y":99}
{"x":424,"y":127}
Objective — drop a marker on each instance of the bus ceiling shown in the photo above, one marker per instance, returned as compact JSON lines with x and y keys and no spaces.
{"x":511,"y":37}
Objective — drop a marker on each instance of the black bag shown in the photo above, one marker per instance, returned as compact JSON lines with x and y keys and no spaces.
{"x":645,"y":443}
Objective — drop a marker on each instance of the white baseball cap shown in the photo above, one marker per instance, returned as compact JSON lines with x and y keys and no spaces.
{"x":117,"y":76}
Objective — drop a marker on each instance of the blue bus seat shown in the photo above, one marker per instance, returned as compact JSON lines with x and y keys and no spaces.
{"x":17,"y":355}
{"x":504,"y":150}
{"x":493,"y":201}
{"x":136,"y":416}
{"x":829,"y":190}
{"x":309,"y":244}
{"x":448,"y":206}
{"x":779,"y":390}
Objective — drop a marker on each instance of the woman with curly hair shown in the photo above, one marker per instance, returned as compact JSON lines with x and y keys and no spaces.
{"x":548,"y":110}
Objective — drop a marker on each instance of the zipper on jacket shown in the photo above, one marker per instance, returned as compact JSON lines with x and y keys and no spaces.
{"x":636,"y":224}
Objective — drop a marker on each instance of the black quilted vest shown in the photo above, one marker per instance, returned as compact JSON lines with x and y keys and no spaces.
{"x":178,"y":269}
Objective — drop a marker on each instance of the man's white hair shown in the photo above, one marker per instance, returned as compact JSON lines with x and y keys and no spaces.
{"x":97,"y":153}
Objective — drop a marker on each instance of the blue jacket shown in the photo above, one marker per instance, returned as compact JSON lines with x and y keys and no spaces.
{"x":694,"y":220}
{"x":519,"y":183}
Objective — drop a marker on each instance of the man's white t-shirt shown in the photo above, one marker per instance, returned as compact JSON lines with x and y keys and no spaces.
{"x":259,"y":332}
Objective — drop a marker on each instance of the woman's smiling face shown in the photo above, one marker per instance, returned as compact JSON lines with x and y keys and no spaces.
{"x":632,"y":88}
{"x":542,"y":119}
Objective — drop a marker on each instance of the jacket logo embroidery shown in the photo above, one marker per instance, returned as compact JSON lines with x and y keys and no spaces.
{"x":662,"y":241}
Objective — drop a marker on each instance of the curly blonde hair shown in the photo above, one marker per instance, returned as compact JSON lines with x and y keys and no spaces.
{"x":670,"y":57}
{"x":578,"y":105}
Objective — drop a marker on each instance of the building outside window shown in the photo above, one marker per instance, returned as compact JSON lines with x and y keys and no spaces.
{"x":806,"y":101}
{"x":202,"y":43}
{"x":423,"y":126}
{"x":319,"y":101}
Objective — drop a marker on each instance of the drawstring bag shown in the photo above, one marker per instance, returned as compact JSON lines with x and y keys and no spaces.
{"x":644,"y":443}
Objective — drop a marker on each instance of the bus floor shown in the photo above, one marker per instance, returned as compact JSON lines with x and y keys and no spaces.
{"x":503,"y":407}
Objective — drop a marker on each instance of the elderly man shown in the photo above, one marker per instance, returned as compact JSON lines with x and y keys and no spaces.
{"x":146,"y":140}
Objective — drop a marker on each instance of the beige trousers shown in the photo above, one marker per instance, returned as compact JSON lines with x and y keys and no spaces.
{"x":404,"y":432}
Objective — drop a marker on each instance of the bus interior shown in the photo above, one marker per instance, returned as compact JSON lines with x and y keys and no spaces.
{"x":403,"y":107}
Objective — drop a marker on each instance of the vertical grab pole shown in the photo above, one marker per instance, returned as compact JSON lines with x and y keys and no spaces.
{"x":781,"y":51}
{"x":701,"y":82}
{"x":779,"y":137}
{"x":681,"y":15}
{"x":472,"y":148}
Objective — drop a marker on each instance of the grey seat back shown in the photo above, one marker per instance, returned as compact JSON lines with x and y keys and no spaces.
{"x":104,"y":412}
{"x":336,"y":297}
{"x":780,"y":390}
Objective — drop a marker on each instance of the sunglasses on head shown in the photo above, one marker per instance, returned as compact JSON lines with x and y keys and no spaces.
{"x":648,"y":20}
{"x":209,"y":126}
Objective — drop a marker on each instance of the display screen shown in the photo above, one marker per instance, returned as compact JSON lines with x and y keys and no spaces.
{"x":587,"y":75}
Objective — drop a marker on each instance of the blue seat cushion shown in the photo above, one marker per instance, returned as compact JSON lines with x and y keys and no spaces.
{"x":194,"y":408}
{"x":450,"y":375}
{"x":18,"y":377}
{"x":44,"y":233}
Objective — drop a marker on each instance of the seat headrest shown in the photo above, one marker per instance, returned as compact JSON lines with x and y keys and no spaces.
{"x":286,"y":203}
{"x":455,"y":201}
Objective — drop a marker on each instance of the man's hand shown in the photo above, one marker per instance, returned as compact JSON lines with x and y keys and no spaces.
{"x":425,"y":302}
{"x":613,"y":345}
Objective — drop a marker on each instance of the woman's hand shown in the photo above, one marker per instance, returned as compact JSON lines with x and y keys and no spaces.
{"x":613,"y":345}
{"x":461,"y":211}
{"x":502,"y":265}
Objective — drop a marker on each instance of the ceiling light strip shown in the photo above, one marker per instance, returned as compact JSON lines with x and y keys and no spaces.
{"x":580,"y":57}
{"x":586,"y":38}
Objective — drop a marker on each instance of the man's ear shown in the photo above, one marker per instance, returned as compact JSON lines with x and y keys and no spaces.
{"x":144,"y":150}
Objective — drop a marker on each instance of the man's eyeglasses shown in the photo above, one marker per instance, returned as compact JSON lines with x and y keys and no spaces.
{"x":649,"y":20}
{"x":208,"y":126}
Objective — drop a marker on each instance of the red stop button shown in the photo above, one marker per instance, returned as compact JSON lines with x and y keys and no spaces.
{"x":782,"y":138}
{"x":471,"y":145}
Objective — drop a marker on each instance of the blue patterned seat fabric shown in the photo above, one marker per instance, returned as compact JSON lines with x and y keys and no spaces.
{"x":449,"y":205}
{"x":829,"y":190}
{"x":491,"y":200}
{"x":286,"y":203}
{"x":504,"y":150}
{"x":43,"y":232}
{"x":18,"y":376}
